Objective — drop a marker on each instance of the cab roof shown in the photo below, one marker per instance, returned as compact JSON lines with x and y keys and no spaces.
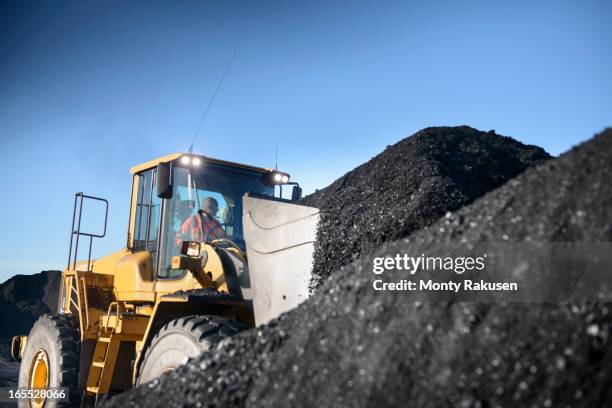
{"x":171,"y":157}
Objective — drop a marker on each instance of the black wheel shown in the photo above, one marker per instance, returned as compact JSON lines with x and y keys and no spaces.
{"x":182,"y":339}
{"x":51,"y":359}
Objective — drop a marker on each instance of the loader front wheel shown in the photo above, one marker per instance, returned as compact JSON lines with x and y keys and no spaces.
{"x":181,"y":339}
{"x":51,"y":359}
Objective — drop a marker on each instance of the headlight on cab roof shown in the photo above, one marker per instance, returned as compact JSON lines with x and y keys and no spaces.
{"x":275,"y":178}
{"x":190,"y":160}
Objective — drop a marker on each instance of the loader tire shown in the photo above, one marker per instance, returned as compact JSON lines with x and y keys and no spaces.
{"x":181,"y":339}
{"x":51,"y":360}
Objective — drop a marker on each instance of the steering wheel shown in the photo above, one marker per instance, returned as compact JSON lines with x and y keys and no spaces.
{"x":229,"y":244}
{"x":219,"y":225}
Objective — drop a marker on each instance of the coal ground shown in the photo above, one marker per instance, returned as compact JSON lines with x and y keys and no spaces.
{"x":409,"y":186}
{"x":351,"y":346}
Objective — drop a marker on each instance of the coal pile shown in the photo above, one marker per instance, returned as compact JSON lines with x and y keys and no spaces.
{"x":351,"y":346}
{"x":362,"y":348}
{"x":409,"y":186}
{"x":23,"y":298}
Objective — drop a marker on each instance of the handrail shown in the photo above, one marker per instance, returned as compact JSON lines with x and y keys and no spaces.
{"x":79,"y":198}
{"x":110,"y":308}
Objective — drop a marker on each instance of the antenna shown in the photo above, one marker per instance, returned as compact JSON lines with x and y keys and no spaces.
{"x":280,"y":187}
{"x":212,"y":100}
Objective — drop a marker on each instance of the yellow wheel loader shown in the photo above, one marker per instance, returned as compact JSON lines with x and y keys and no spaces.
{"x":210,"y":251}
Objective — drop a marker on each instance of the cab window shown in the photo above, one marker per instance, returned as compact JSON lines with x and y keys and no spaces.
{"x":191,"y":189}
{"x":146,"y":225}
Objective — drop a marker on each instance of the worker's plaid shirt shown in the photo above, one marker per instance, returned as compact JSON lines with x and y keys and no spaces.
{"x":197,"y":227}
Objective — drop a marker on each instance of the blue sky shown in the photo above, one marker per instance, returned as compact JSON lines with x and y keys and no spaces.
{"x":89,"y":89}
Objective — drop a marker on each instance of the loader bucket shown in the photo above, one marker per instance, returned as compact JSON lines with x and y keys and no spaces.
{"x":279,"y":239}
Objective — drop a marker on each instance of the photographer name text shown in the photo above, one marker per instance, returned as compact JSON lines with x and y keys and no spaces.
{"x":450,"y":286}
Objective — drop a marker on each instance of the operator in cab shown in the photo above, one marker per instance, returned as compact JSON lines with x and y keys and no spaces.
{"x":202,"y":226}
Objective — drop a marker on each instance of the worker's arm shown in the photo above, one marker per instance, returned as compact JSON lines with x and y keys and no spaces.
{"x":188,"y":231}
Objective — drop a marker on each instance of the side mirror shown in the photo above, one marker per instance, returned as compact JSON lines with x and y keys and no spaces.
{"x":164,"y":180}
{"x":296,"y":193}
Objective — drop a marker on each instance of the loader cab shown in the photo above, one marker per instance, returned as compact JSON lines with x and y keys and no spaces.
{"x":169,"y":192}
